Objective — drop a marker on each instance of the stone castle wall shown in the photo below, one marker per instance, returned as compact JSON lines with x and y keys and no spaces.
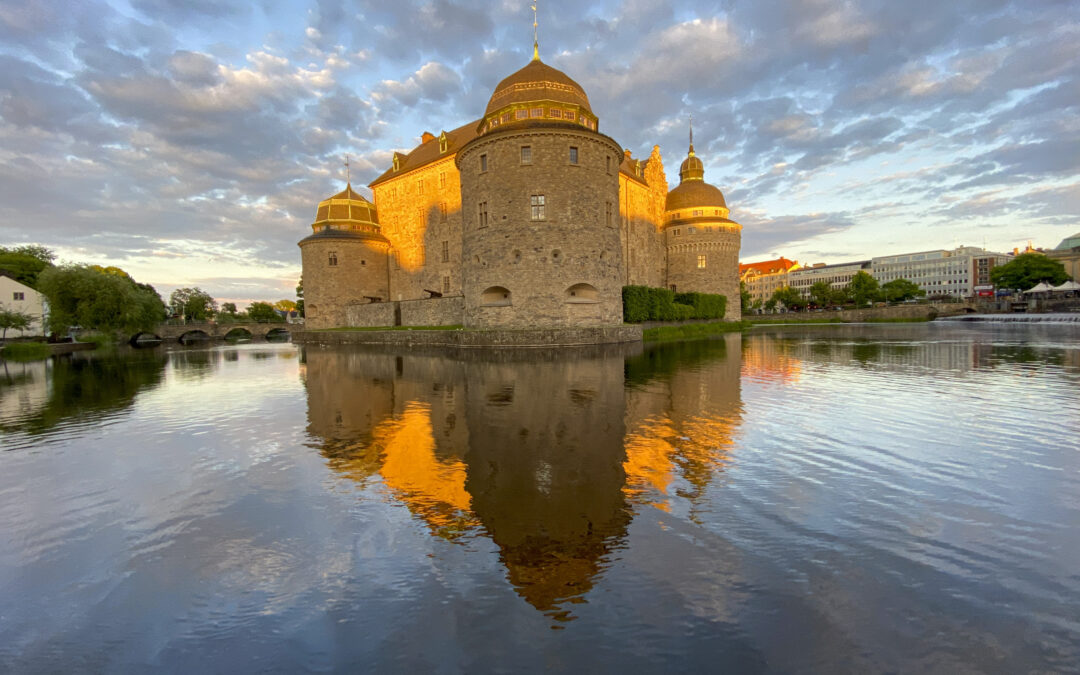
{"x":420,"y":213}
{"x":521,"y":272}
{"x":360,"y":270}
{"x":424,"y":312}
{"x":641,"y":207}
{"x":719,"y":243}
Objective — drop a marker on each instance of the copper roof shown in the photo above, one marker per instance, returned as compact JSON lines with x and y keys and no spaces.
{"x":537,"y":82}
{"x":694,"y":193}
{"x":429,"y":152}
{"x":346,"y":206}
{"x":353,"y":235}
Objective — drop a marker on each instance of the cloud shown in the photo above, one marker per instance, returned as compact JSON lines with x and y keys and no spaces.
{"x":432,"y":82}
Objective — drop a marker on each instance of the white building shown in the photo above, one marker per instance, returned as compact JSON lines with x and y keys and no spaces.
{"x":956,"y":272}
{"x":838,"y":276}
{"x":22,"y":298}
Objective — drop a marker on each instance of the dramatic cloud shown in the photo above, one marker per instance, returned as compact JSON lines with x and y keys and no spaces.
{"x":189,"y":142}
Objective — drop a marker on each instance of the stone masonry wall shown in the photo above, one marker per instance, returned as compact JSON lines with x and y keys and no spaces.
{"x":361,"y":270}
{"x":418,"y":212}
{"x":366,"y":315}
{"x":539,"y":261}
{"x":719,"y":242}
{"x":641,"y":208}
{"x":433,"y":312}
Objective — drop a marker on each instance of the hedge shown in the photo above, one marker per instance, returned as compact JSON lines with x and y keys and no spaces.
{"x":642,"y":303}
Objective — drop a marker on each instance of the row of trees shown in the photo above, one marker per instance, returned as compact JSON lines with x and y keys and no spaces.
{"x":861,"y":291}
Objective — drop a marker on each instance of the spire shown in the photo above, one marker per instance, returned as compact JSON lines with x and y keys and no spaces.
{"x":536,"y":41}
{"x":691,"y":134}
{"x":348,"y":176}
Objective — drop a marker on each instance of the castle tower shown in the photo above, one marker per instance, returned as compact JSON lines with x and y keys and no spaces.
{"x":540,"y":205}
{"x":344,"y":259}
{"x":702,"y":242}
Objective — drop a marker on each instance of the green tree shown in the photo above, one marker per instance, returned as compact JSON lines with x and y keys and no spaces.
{"x":300,"y":296}
{"x":229,"y":308}
{"x":25,"y":263}
{"x":822,"y":293}
{"x":745,"y":299}
{"x":899,"y":290}
{"x":788,"y":297}
{"x":1028,"y":270}
{"x":14,"y":319}
{"x":263,"y":312}
{"x":193,"y":303}
{"x":81,"y":296}
{"x":863,"y":288}
{"x":285,"y":306}
{"x":770,"y":304}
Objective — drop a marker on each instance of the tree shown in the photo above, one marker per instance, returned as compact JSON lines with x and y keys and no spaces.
{"x":25,"y":263}
{"x":285,"y":306}
{"x":1028,"y":270}
{"x":788,"y":297}
{"x":193,"y":303}
{"x":229,"y":308}
{"x":263,"y":312}
{"x":822,"y":293}
{"x":745,"y":299}
{"x":899,"y":290}
{"x":300,"y":296}
{"x":14,"y":319}
{"x":770,"y":304}
{"x":79,"y":295}
{"x":863,"y":288}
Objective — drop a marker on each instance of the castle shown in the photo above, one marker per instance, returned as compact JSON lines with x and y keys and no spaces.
{"x":528,"y":217}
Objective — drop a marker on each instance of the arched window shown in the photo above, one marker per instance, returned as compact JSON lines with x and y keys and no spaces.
{"x":582,"y":294}
{"x":495,"y":296}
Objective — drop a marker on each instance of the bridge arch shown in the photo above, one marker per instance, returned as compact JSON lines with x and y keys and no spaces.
{"x":238,"y":333}
{"x":276,"y":332}
{"x":144,"y":336}
{"x":193,"y":335}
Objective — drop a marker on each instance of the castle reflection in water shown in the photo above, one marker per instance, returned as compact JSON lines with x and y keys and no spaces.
{"x":549,"y":454}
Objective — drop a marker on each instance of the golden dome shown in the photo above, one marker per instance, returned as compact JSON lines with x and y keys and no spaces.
{"x":346,"y":215}
{"x":538,"y":82}
{"x":692,"y":191}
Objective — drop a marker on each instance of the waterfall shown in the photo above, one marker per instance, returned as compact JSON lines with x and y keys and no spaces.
{"x":1016,"y":318}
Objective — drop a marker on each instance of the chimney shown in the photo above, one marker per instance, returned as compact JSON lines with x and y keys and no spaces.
{"x":427,"y":136}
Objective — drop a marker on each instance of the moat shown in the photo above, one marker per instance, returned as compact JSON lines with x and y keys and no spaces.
{"x":845,"y":498}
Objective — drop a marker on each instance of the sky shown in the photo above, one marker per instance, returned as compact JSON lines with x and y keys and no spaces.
{"x":189,"y":141}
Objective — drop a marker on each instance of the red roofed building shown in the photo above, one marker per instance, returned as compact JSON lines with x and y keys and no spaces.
{"x":764,"y":278}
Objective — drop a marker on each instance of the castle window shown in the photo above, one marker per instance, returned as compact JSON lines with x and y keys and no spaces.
{"x":690,"y":230}
{"x":555,"y":112}
{"x":698,"y":212}
{"x":495,"y":296}
{"x":442,"y":142}
{"x":701,"y":262}
{"x":673,"y":290}
{"x":446,"y":251}
{"x":582,"y":294}
{"x":607,"y":214}
{"x":333,"y":259}
{"x":537,"y":112}
{"x":482,"y":215}
{"x":507,"y":117}
{"x":420,"y":186}
{"x":397,"y":162}
{"x":442,"y":179}
{"x":483,"y":163}
{"x":420,"y":217}
{"x":569,"y":114}
{"x":442,"y":212}
{"x":573,"y":155}
{"x":521,"y":114}
{"x":526,"y":154}
{"x":677,"y":232}
{"x":445,"y":285}
{"x":537,"y":204}
{"x":608,"y":158}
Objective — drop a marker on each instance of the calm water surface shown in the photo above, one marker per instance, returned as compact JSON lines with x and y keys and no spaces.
{"x":833,"y":499}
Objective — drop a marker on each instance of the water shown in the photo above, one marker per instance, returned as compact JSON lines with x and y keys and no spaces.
{"x":900,"y":498}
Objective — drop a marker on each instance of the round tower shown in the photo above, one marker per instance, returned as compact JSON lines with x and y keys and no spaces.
{"x":540,"y":205}
{"x":702,"y":242}
{"x":344,"y":260}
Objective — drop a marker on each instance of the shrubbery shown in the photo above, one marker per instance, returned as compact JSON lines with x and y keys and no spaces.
{"x":642,"y":303}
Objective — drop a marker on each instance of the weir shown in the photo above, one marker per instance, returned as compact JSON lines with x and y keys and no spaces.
{"x":1017,"y":318}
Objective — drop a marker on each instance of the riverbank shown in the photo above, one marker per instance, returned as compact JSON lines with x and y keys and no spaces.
{"x":693,"y":331}
{"x":441,"y":336}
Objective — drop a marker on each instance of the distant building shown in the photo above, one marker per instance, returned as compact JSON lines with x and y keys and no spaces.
{"x":838,"y":276}
{"x":1068,"y":254}
{"x":941,"y":272}
{"x":21,"y":298}
{"x":762,"y":279}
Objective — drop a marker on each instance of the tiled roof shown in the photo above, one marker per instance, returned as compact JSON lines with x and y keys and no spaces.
{"x":768,"y":266}
{"x":428,"y":152}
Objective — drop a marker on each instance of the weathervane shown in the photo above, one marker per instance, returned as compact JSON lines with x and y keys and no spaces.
{"x":536,"y":40}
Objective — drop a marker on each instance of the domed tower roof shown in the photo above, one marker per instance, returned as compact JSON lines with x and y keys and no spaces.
{"x":692,"y":191}
{"x":538,"y":95}
{"x":346,"y":215}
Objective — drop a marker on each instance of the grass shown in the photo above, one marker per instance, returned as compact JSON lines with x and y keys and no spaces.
{"x":100,"y":340}
{"x":692,"y":331}
{"x":26,"y":351}
{"x":348,"y":329}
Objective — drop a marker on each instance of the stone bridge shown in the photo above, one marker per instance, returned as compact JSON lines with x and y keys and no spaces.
{"x":214,"y":331}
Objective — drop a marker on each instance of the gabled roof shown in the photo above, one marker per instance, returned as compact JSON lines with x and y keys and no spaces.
{"x":768,"y":266}
{"x":628,"y":167}
{"x":428,"y":152}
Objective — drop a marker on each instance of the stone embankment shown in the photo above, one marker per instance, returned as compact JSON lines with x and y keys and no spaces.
{"x":538,"y":337}
{"x":912,"y":312}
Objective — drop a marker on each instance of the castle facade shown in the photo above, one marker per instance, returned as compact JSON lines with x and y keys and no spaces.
{"x":528,"y":217}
